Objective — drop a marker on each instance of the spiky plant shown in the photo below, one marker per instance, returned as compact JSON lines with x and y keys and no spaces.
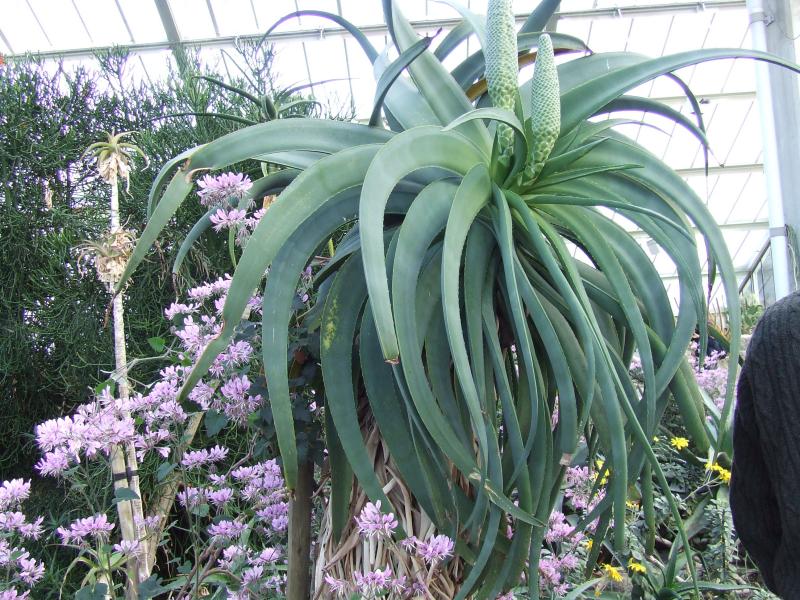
{"x":455,"y":307}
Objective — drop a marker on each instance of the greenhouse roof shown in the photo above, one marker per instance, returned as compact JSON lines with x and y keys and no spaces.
{"x":310,"y":49}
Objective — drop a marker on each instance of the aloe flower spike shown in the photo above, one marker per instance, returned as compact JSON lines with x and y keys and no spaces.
{"x":501,"y":65}
{"x":545,"y":108}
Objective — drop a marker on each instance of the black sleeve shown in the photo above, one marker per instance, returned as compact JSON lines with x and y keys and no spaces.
{"x":753,"y":504}
{"x":765,"y":486}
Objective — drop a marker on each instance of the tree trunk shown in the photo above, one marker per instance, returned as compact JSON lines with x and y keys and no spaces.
{"x":299,"y":553}
{"x":124,"y":466}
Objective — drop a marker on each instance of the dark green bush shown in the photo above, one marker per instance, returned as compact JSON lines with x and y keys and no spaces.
{"x":55,"y":342}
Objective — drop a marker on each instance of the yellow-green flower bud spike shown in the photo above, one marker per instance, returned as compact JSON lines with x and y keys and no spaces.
{"x":545,"y":107}
{"x":501,"y":64}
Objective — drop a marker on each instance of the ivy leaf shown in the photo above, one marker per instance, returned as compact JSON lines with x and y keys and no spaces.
{"x":98,"y":592}
{"x":157,"y":343}
{"x":150,"y":587}
{"x":163,"y":470}
{"x":124,"y":494}
{"x":215,"y":421}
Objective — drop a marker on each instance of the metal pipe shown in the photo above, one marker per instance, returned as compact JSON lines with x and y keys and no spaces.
{"x":772,"y":173}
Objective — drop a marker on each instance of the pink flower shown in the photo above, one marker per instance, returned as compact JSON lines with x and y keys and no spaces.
{"x":13,"y":492}
{"x":221,"y":496}
{"x":217,"y":453}
{"x":373,"y":523}
{"x":176,"y":309}
{"x":96,"y":526}
{"x":437,"y":548}
{"x":194,"y":459}
{"x":214,"y":191}
{"x":338,"y":586}
{"x":128,"y":547}
{"x":223,"y":219}
{"x":227,"y":529}
{"x":192,"y":497}
{"x":31,"y":570}
{"x":267,"y":555}
{"x":373,"y":582}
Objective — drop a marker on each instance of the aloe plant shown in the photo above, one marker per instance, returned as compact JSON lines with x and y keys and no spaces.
{"x":483,"y":292}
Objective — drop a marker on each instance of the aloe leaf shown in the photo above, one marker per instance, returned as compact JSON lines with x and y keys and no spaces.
{"x":285,"y":135}
{"x":161,"y":179}
{"x":526,"y":353}
{"x":476,"y":22}
{"x":434,"y":81}
{"x":648,"y":105}
{"x":471,"y":198}
{"x":405,"y":106}
{"x":339,"y":329}
{"x":390,"y":75}
{"x":588,"y":97}
{"x":341,"y":479}
{"x":453,"y":39}
{"x":541,"y":15}
{"x":231,"y":88}
{"x":490,"y":114}
{"x":389,"y":411}
{"x":405,"y":153}
{"x":424,"y":221}
{"x":362,"y":40}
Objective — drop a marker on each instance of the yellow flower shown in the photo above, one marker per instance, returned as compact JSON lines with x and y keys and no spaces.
{"x":655,"y":439}
{"x":679,"y":443}
{"x":613,"y":573}
{"x":631,"y":504}
{"x":589,"y":545}
{"x":723,"y":473}
{"x":636,"y":567}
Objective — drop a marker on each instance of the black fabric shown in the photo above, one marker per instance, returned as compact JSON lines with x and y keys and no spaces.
{"x":765,"y":481}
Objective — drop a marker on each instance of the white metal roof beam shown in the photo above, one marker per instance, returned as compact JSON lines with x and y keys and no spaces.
{"x":381,"y":29}
{"x":699,"y":171}
{"x":745,"y":226}
{"x":170,"y":28}
{"x":5,"y":41}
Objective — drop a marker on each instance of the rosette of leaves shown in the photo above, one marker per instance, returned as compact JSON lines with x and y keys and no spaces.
{"x":483,"y":291}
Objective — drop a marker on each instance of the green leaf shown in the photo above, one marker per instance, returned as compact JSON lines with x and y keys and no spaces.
{"x":390,"y":75}
{"x":124,"y":494}
{"x":411,"y":150}
{"x":97,"y":591}
{"x":151,"y":587}
{"x":164,"y":469}
{"x":157,"y":343}
{"x":214,"y":422}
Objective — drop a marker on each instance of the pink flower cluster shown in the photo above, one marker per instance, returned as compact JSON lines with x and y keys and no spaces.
{"x":94,"y":428}
{"x":225,"y":192}
{"x":229,"y":391}
{"x":552,"y":570}
{"x":79,"y":532}
{"x":256,"y":570}
{"x":259,"y":488}
{"x":221,"y":189}
{"x":712,"y":377}
{"x":19,"y":568}
{"x":373,"y":523}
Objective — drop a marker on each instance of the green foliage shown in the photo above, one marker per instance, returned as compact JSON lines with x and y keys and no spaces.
{"x":497,"y":303}
{"x":56,"y":343}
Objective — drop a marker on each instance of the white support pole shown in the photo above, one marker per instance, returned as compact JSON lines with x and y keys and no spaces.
{"x":777,"y":99}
